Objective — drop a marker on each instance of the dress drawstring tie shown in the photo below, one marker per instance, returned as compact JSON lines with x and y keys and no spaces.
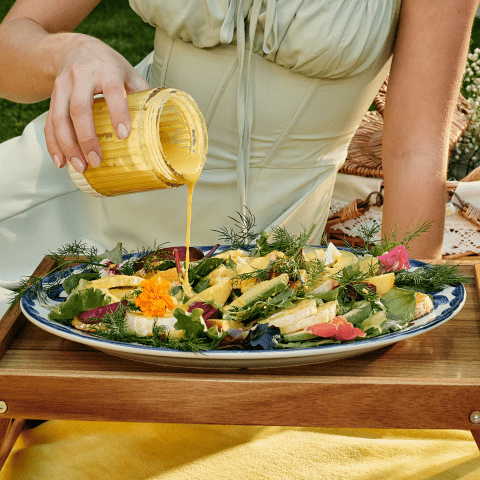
{"x":234,"y":18}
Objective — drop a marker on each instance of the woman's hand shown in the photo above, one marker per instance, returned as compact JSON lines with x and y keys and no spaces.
{"x":68,"y":67}
{"x":87,"y":67}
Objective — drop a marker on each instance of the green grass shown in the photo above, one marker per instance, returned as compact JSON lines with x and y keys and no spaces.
{"x":115,"y":23}
{"x":112,"y":21}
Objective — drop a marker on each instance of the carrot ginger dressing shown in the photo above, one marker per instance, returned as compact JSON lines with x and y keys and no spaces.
{"x":190,"y":168}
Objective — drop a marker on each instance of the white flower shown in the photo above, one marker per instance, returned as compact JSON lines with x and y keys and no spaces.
{"x":112,"y":268}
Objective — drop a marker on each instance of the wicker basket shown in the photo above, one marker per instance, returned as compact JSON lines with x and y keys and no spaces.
{"x":365,"y":159}
{"x":365,"y":151}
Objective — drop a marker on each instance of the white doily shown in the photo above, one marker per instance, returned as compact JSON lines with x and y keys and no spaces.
{"x":460,"y":237}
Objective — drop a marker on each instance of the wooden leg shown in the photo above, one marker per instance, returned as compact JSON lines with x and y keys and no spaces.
{"x":12,"y":432}
{"x":4,"y":424}
{"x":476,"y":437}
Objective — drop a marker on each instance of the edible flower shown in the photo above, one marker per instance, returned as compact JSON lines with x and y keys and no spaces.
{"x":155,"y":299}
{"x":110,"y":269}
{"x":339,"y":329}
{"x":395,"y":260}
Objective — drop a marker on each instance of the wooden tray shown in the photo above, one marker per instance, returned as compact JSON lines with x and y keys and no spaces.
{"x":429,"y":381}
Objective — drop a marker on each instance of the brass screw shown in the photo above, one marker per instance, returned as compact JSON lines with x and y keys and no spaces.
{"x":3,"y":406}
{"x":475,"y":417}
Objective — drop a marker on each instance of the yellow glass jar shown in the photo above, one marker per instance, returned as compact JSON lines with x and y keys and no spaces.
{"x":167,"y":146}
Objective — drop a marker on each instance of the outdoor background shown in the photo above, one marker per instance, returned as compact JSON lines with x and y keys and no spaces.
{"x":115,"y":23}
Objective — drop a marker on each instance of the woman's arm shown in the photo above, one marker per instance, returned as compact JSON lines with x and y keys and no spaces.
{"x":28,"y":50}
{"x":428,"y":64}
{"x":41,"y":58}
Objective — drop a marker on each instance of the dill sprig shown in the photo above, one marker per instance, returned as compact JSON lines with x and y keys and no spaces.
{"x":242,"y":234}
{"x":293,"y":267}
{"x":430,"y":278}
{"x":316,"y":270}
{"x":113,"y":325}
{"x":289,"y":243}
{"x":409,"y":235}
{"x":274,"y":268}
{"x":75,"y":253}
{"x":367,"y":235}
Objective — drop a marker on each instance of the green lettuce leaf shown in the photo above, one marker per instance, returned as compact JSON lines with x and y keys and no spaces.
{"x":203,"y":268}
{"x":77,"y":303}
{"x":400,"y":305}
{"x":372,"y":325}
{"x":114,"y":255}
{"x":190,"y":323}
{"x":72,"y":282}
{"x":262,"y":244}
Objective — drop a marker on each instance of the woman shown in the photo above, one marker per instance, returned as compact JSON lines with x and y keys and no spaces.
{"x":314,"y":70}
{"x":282,"y":97}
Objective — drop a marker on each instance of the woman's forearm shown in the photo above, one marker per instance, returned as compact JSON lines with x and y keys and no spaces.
{"x":415,"y":195}
{"x":27,"y":55}
{"x":32,"y":37}
{"x":425,"y":78}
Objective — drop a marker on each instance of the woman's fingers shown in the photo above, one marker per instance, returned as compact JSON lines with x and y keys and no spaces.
{"x":80,"y":112}
{"x":88,"y":68}
{"x":136,"y":83}
{"x":63,"y":126}
{"x":52,"y":145}
{"x":116,"y":98}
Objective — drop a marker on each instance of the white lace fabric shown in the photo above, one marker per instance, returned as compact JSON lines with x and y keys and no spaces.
{"x":460,"y":237}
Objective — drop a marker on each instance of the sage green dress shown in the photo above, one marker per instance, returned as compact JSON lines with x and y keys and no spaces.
{"x":282,"y":96}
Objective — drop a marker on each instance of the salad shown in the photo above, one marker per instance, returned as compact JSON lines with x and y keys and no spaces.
{"x":267,"y":291}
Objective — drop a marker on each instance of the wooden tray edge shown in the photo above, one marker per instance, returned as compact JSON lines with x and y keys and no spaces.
{"x":14,"y":319}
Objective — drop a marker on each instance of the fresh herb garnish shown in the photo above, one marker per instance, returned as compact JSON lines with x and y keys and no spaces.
{"x":430,"y":278}
{"x":289,"y":243}
{"x":242,"y":234}
{"x":76,"y":253}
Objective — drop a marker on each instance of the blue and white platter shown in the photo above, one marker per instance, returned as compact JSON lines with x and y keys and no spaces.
{"x":447,"y":303}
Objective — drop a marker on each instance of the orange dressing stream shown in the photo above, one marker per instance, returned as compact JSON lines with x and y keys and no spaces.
{"x":190,"y":170}
{"x":177,"y":140}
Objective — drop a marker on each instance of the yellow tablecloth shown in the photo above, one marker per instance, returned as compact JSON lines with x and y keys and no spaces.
{"x":70,"y":450}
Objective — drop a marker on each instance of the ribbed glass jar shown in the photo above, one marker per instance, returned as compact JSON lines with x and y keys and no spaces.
{"x":167,"y":146}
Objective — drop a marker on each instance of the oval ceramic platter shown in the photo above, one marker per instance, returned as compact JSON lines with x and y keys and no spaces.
{"x":447,"y":303}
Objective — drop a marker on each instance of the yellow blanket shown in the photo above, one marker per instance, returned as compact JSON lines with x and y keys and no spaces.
{"x":69,"y":450}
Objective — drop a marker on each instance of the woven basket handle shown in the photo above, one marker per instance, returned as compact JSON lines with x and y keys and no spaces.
{"x":459,"y":122}
{"x":466,"y":210}
{"x":356,"y":208}
{"x":379,"y":100}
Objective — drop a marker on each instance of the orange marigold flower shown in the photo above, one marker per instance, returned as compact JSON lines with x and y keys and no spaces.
{"x":155,"y":299}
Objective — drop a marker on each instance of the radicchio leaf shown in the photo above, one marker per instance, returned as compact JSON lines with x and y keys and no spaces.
{"x":95,"y":315}
{"x":209,"y":311}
